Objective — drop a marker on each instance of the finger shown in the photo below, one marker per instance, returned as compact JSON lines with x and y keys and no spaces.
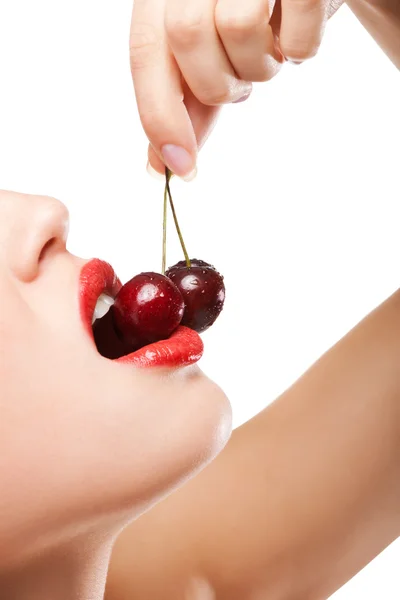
{"x":200,"y":54}
{"x":203,"y":120}
{"x":158,"y":89}
{"x":155,"y":166}
{"x":203,"y":117}
{"x":248,"y":39}
{"x":302,"y":27}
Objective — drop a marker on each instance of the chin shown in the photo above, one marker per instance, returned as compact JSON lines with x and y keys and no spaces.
{"x":203,"y":434}
{"x":202,"y":430}
{"x":207,"y":432}
{"x":156,"y":439}
{"x":214,"y":412}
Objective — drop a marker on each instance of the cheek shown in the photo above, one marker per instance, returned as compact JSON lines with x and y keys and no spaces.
{"x":16,"y":342}
{"x":43,"y":435}
{"x":35,"y":381}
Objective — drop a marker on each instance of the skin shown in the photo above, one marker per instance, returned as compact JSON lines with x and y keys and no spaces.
{"x":306,"y":493}
{"x":86,"y":445}
{"x":303,"y":496}
{"x":382,"y":19}
{"x":188,"y":58}
{"x":81,"y":453}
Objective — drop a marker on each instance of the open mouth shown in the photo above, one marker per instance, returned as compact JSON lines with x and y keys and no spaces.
{"x":97,"y":290}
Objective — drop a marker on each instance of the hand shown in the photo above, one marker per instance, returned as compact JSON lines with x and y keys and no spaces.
{"x":189,"y":57}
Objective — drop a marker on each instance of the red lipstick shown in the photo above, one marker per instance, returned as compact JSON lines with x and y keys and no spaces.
{"x":184,"y":347}
{"x":96,"y":277}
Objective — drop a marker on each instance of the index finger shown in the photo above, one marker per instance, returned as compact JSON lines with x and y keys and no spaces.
{"x":158,"y":89}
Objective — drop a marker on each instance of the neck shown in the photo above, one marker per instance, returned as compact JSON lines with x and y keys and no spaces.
{"x":77,"y":570}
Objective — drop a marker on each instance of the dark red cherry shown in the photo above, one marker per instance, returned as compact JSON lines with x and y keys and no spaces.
{"x":203,"y":291}
{"x":147,"y":309}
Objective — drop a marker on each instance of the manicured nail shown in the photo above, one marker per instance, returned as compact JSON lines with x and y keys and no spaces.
{"x":179,"y":161}
{"x":153,"y":173}
{"x":243,"y":98}
{"x":293,"y":61}
{"x":190,"y":176}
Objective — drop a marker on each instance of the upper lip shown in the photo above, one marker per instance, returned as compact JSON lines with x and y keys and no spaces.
{"x":96,"y":277}
{"x":184,"y":347}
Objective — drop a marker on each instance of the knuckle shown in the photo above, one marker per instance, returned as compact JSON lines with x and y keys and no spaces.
{"x":241,"y":26}
{"x":264,"y":75}
{"x":299,"y":50}
{"x":262,"y":71}
{"x":214,"y":96}
{"x":186,"y":31}
{"x":144,"y":45}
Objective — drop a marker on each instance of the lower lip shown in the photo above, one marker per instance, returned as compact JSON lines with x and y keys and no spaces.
{"x":183,"y":348}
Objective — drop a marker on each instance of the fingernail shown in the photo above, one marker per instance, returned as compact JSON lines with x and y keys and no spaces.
{"x":190,"y":176}
{"x":243,"y":98}
{"x":293,"y":61}
{"x":153,"y":173}
{"x":179,"y":161}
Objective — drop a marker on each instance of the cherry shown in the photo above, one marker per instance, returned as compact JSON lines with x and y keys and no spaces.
{"x":203,"y":291}
{"x":147,"y":309}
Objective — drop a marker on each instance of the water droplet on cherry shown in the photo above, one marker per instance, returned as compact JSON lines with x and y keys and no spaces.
{"x":148,"y":308}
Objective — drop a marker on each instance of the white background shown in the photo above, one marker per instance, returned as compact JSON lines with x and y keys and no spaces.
{"x":296,"y":201}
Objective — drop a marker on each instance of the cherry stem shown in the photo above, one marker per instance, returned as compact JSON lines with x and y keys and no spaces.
{"x":168,"y":176}
{"x":164,"y":244}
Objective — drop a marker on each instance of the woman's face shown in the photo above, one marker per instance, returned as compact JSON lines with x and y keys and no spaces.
{"x":81,"y":437}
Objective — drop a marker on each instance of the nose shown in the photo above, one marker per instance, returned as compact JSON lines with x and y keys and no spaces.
{"x":30,"y":228}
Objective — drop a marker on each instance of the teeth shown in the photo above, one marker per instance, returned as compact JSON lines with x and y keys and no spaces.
{"x":103,"y":305}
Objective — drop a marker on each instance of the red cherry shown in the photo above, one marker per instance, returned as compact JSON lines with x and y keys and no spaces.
{"x":203,"y":291}
{"x":147,"y":309}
